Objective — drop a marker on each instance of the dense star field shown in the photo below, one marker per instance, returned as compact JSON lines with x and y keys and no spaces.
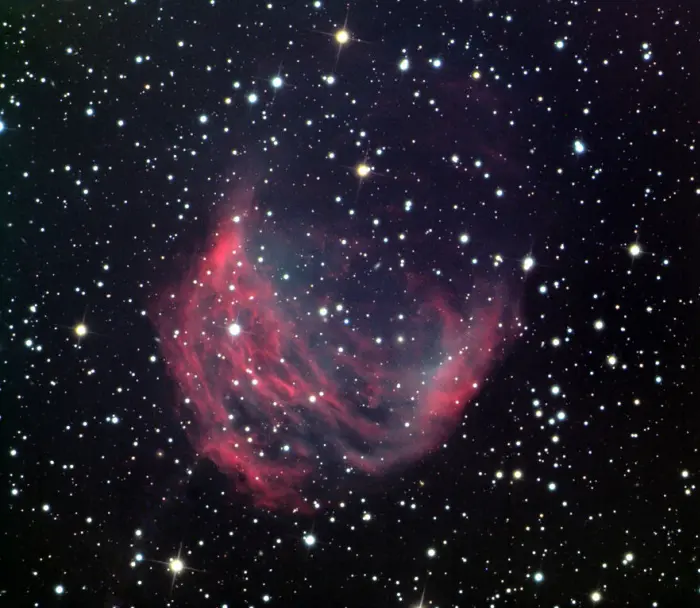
{"x":353,"y":305}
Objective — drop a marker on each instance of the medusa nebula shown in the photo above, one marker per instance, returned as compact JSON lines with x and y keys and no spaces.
{"x":302,"y":361}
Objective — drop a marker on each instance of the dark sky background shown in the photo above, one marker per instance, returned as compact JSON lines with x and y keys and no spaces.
{"x":547,"y":147}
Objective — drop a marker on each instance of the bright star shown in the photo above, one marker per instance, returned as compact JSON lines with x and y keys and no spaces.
{"x":363,"y":170}
{"x":342,"y":36}
{"x":176,"y":566}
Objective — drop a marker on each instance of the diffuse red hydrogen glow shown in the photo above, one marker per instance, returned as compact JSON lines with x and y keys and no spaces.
{"x":293,"y":394}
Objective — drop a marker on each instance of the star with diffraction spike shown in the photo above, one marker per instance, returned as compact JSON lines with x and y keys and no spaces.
{"x":176,"y":566}
{"x":342,"y":37}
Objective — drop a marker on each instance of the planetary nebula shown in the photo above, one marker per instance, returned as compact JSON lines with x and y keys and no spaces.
{"x":298,"y":370}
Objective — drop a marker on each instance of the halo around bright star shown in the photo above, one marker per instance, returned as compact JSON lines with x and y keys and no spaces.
{"x":342,"y":36}
{"x":363,"y":170}
{"x":528,"y":263}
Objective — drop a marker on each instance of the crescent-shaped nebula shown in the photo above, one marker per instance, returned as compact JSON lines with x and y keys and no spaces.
{"x":295,"y":379}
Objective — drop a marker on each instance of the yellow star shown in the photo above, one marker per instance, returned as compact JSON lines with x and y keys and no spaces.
{"x":342,"y":36}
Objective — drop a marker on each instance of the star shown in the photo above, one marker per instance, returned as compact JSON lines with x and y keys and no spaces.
{"x":363,"y":170}
{"x":342,"y":36}
{"x":634,"y":250}
{"x":177,"y":566}
{"x":80,"y":329}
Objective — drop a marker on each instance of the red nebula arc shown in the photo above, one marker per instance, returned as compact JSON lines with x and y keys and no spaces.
{"x":288,"y":388}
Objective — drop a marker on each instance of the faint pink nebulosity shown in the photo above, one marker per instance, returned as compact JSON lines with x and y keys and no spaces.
{"x":279,"y":391}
